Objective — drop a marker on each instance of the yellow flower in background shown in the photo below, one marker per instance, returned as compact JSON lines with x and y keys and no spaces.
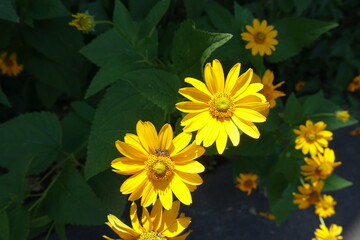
{"x":319,"y":166}
{"x":312,"y":137}
{"x":355,"y":132}
{"x":247,"y":182}
{"x":342,"y":115}
{"x":269,"y":88}
{"x":325,"y":207}
{"x":220,"y":108}
{"x":354,"y":84}
{"x":9,"y":65}
{"x":299,"y":86}
{"x":156,"y":225}
{"x":332,"y":233}
{"x":159,"y":165}
{"x":83,"y":22}
{"x":267,"y":215}
{"x":308,"y":194}
{"x":260,"y":37}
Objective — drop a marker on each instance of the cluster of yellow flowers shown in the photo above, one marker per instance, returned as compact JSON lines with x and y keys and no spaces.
{"x":9,"y":65}
{"x":314,"y":139}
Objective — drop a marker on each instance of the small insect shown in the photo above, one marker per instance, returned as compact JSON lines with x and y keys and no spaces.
{"x":161,"y":151}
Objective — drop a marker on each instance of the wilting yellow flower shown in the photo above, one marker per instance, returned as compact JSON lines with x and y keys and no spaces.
{"x":247,"y":182}
{"x":158,"y":225}
{"x":332,"y":233}
{"x":354,"y":84}
{"x":269,"y":89}
{"x":260,"y":37}
{"x":83,"y":22}
{"x":319,"y":166}
{"x":309,"y":194}
{"x":159,"y":165}
{"x":299,"y":86}
{"x":342,"y":115}
{"x":325,"y":207}
{"x":216,"y":110}
{"x":312,"y":138}
{"x":355,"y":132}
{"x":267,"y":215}
{"x":9,"y":65}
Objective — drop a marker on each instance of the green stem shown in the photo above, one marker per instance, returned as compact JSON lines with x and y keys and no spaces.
{"x":322,"y":221}
{"x":302,"y":181}
{"x":322,"y":114}
{"x":49,"y":231}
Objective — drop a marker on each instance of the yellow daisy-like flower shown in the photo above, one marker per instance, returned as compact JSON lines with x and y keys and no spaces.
{"x":325,"y":207}
{"x":9,"y":65}
{"x":261,"y":37}
{"x":159,"y":165}
{"x":332,"y":233}
{"x":83,"y":22}
{"x":342,"y":115}
{"x":269,"y":89}
{"x":299,"y":86}
{"x":216,"y":110}
{"x":354,"y":84}
{"x":247,"y":182}
{"x":355,"y":132}
{"x":312,"y":138}
{"x":156,"y":225}
{"x":319,"y":166}
{"x":309,"y":194}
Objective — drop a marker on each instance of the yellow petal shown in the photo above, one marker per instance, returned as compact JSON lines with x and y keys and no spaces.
{"x":180,"y":142}
{"x":209,"y":133}
{"x":127,"y":166}
{"x":148,"y":136}
{"x":177,"y":227}
{"x":247,"y":127}
{"x":189,"y":178}
{"x":165,"y":137}
{"x":157,"y":216}
{"x":232,"y":132}
{"x":249,"y":115}
{"x":195,"y":121}
{"x":209,"y":79}
{"x":198,"y":85}
{"x":165,"y":194}
{"x":146,"y":219}
{"x":133,"y":182}
{"x":194,"y":95}
{"x":129,"y":151}
{"x":148,"y":194}
{"x":242,"y":83}
{"x":191,"y":152}
{"x":252,"y":88}
{"x":134,"y":218}
{"x":232,"y":77}
{"x":180,"y":190}
{"x":192,"y":107}
{"x":190,"y":167}
{"x":221,"y":139}
{"x":217,"y":76}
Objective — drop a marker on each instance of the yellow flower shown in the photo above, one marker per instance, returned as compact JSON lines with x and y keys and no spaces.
{"x":332,"y":233}
{"x":342,"y":115}
{"x":269,"y":89}
{"x":159,"y":165}
{"x":354,"y":84}
{"x":83,"y":22}
{"x":156,"y":225}
{"x":299,"y":86}
{"x":267,"y":215}
{"x":260,"y":37}
{"x":312,"y":138}
{"x":309,"y":194}
{"x":9,"y":65}
{"x":325,"y":207}
{"x":319,"y":166}
{"x":355,"y":132}
{"x":247,"y":182}
{"x":216,"y":110}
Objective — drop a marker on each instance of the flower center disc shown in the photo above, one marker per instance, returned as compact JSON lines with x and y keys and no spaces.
{"x":248,"y":184}
{"x":260,"y":37}
{"x":151,"y":236}
{"x":314,"y":197}
{"x":221,"y":106}
{"x":311,"y":137}
{"x":159,"y":167}
{"x":325,"y":169}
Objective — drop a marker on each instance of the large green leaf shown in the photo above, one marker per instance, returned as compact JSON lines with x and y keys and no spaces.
{"x":295,"y":34}
{"x":4,"y":226}
{"x":116,"y":115}
{"x":128,"y":28}
{"x":153,"y":18}
{"x":19,"y":222}
{"x":192,"y":47}
{"x":333,"y":183}
{"x":3,"y":98}
{"x":7,"y":11}
{"x":158,"y":86}
{"x":45,"y":9}
{"x":30,"y":135}
{"x":293,"y":110}
{"x":71,"y":200}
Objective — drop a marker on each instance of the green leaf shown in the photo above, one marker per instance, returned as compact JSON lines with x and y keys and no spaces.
{"x":334,"y":182}
{"x":192,"y":47}
{"x":116,"y":115}
{"x":7,"y":11}
{"x":30,"y":135}
{"x":19,"y":223}
{"x":194,"y":9}
{"x":71,"y":200}
{"x":158,"y":86}
{"x":47,"y":94}
{"x":60,"y":231}
{"x":3,"y":98}
{"x":301,"y":5}
{"x":293,"y":110}
{"x":45,"y":9}
{"x":123,"y":19}
{"x":152,"y":19}
{"x":4,"y":226}
{"x":295,"y":34}
{"x":220,"y":17}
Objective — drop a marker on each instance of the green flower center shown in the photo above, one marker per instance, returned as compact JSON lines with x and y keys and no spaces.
{"x":221,"y":106}
{"x":159,"y":167}
{"x":260,"y":37}
{"x":151,"y":236}
{"x":311,"y":136}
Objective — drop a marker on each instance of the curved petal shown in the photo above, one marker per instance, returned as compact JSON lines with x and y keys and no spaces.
{"x":180,"y":190}
{"x":192,"y":107}
{"x":209,"y":133}
{"x":217,"y":76}
{"x":232,"y":132}
{"x":198,"y":85}
{"x":148,"y":136}
{"x":191,"y":152}
{"x":190,"y":178}
{"x":165,"y":137}
{"x":195,"y":121}
{"x":194,"y":95}
{"x":190,"y":167}
{"x":146,"y":219}
{"x":247,"y":127}
{"x":232,"y":77}
{"x":209,"y":79}
{"x":133,"y":140}
{"x":180,"y":142}
{"x":148,"y":195}
{"x":129,"y":151}
{"x":177,"y":227}
{"x":252,"y":88}
{"x":221,"y":139}
{"x":242,"y":83}
{"x":134,"y":218}
{"x":249,"y":115}
{"x":127,"y":166}
{"x":165,"y":194}
{"x":133,"y":182}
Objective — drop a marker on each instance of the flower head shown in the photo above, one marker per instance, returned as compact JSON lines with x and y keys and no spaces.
{"x":355,"y":132}
{"x":247,"y":182}
{"x":260,"y":37}
{"x":267,"y":215}
{"x":312,"y":137}
{"x":342,"y":115}
{"x":159,"y":224}
{"x":159,"y":165}
{"x":9,"y":65}
{"x":309,"y":194}
{"x":269,"y":88}
{"x":299,"y":86}
{"x":332,"y":233}
{"x":219,"y":108}
{"x":83,"y":22}
{"x":319,"y":166}
{"x":354,"y":84}
{"x":325,"y":207}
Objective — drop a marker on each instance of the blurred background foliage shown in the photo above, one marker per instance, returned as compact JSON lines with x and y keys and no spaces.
{"x":80,"y":92}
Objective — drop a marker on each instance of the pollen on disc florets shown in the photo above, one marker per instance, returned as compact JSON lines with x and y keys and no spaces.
{"x":159,"y":166}
{"x":260,"y":37}
{"x":151,"y":236}
{"x":311,"y":137}
{"x":221,"y":106}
